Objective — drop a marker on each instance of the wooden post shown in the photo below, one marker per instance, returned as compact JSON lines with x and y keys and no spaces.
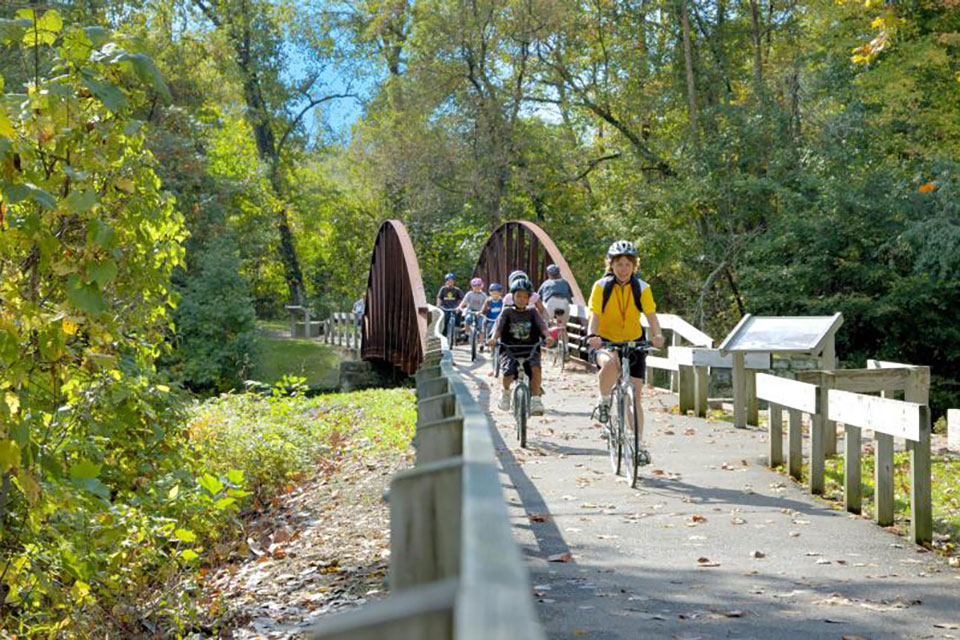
{"x":817,"y":437}
{"x":795,"y":444}
{"x":425,"y":524}
{"x":828,"y":362}
{"x":739,"y":391}
{"x":883,"y":479}
{"x":921,"y":510}
{"x":675,"y":375}
{"x":852,"y":482}
{"x":753,"y":404}
{"x":687,"y":389}
{"x":701,"y":384}
{"x":776,"y":435}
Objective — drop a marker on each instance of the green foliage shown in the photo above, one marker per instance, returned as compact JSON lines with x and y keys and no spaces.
{"x":216,"y":324}
{"x":277,"y":357}
{"x":273,"y":439}
{"x":87,"y":244}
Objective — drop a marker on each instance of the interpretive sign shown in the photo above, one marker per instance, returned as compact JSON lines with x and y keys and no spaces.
{"x":782,"y":334}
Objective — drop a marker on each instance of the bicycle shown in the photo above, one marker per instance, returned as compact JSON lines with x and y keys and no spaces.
{"x":450,"y":328}
{"x":623,"y":431}
{"x":520,"y":395}
{"x":494,"y":350}
{"x":475,"y":320}
{"x":560,"y":349}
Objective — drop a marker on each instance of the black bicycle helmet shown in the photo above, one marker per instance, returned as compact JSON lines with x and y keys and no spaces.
{"x":553,"y":270}
{"x":521,"y":284}
{"x":622,"y":248}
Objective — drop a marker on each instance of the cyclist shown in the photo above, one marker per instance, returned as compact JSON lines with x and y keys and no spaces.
{"x":534,"y":297}
{"x":520,"y":326}
{"x":474,"y":301}
{"x":492,"y":307}
{"x":448,"y":299}
{"x":557,"y":297}
{"x":616,"y":301}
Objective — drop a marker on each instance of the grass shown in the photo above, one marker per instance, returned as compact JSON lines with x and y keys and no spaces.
{"x":278,"y":356}
{"x":274,"y":439}
{"x":945,"y":477}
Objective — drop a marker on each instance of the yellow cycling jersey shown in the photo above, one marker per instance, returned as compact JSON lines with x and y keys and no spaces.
{"x":620,"y":320}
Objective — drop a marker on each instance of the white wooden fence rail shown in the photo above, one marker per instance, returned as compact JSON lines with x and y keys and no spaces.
{"x":455,"y":569}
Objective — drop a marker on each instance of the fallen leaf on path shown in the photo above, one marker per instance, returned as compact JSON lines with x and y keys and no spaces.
{"x":758,"y":554}
{"x":707,"y":562}
{"x":698,"y":518}
{"x":738,"y":521}
{"x":540,"y":517}
{"x":946,"y":625}
{"x":658,"y":472}
{"x":733,"y":613}
{"x":560,"y":557}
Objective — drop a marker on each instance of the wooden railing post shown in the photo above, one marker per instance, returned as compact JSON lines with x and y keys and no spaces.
{"x":775,"y":437}
{"x":739,"y":391}
{"x":701,"y":387}
{"x":852,"y":481}
{"x":686,"y":388}
{"x":921,"y":509}
{"x":818,"y":421}
{"x":795,"y":445}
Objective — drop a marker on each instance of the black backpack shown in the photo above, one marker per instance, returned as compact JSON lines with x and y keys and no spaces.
{"x":609,"y":280}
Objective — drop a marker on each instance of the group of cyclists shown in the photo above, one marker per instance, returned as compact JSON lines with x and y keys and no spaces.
{"x":521,"y":317}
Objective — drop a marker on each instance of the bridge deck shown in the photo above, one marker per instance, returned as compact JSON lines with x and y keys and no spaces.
{"x":636,"y":570}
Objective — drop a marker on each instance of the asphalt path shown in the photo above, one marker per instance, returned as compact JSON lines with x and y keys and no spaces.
{"x":710,"y":544}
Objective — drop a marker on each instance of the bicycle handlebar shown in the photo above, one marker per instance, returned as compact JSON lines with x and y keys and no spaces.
{"x":638,"y":345}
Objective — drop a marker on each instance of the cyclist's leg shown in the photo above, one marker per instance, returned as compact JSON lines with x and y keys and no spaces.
{"x":609,"y":370}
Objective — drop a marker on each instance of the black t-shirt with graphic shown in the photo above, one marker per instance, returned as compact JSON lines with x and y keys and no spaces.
{"x":520,"y":327}
{"x":450,"y":297}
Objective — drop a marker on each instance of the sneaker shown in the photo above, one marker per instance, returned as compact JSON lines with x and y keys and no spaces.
{"x":603,"y":412}
{"x":536,"y":406}
{"x":643,"y":457}
{"x":504,"y":403}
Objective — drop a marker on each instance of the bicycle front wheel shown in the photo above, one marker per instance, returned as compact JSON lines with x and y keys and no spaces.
{"x":473,"y":343}
{"x":521,"y":406}
{"x":614,"y":429}
{"x":631,"y":434}
{"x":495,"y":360}
{"x":562,"y":348}
{"x":452,"y":331}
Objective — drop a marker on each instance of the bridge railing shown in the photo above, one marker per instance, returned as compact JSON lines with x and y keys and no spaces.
{"x":840,"y":396}
{"x":341,"y":330}
{"x":455,"y":569}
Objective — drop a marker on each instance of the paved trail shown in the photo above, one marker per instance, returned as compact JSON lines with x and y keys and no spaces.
{"x":711,"y":544}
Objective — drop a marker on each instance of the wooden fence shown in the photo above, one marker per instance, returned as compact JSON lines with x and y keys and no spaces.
{"x":455,"y":569}
{"x":830,"y":397}
{"x":341,"y":330}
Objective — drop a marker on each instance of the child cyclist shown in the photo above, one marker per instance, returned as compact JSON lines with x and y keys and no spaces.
{"x":519,"y":330}
{"x":616,"y":301}
{"x":448,"y":299}
{"x":492,"y":307}
{"x":534,"y":296}
{"x":474,"y":301}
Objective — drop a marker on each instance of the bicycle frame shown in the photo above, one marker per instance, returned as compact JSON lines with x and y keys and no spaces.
{"x":624,"y":438}
{"x":521,"y":392}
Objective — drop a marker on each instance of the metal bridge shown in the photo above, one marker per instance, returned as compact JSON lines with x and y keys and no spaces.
{"x":394,"y":328}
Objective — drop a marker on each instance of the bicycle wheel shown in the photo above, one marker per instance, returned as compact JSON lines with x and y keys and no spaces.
{"x":614,"y":429}
{"x":452,"y":330}
{"x":521,"y":406}
{"x":631,"y":434}
{"x":562,"y":349}
{"x":473,"y":343}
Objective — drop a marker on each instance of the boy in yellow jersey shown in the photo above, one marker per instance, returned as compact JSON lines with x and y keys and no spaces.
{"x":616,"y":302}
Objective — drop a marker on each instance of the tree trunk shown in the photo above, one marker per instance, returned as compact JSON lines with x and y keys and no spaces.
{"x":757,"y":47}
{"x":688,"y":66}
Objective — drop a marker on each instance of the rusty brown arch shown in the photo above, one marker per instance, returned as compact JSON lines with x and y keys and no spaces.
{"x":519,"y":244}
{"x":395,"y":313}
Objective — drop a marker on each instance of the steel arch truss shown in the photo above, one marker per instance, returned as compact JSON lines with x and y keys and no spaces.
{"x":519,"y":244}
{"x":395,"y":314}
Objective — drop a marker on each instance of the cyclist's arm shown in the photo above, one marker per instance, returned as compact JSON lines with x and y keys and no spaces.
{"x":656,"y":335}
{"x":497,"y":330}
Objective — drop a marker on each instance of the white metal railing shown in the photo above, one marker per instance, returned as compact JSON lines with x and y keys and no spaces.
{"x":341,"y":330}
